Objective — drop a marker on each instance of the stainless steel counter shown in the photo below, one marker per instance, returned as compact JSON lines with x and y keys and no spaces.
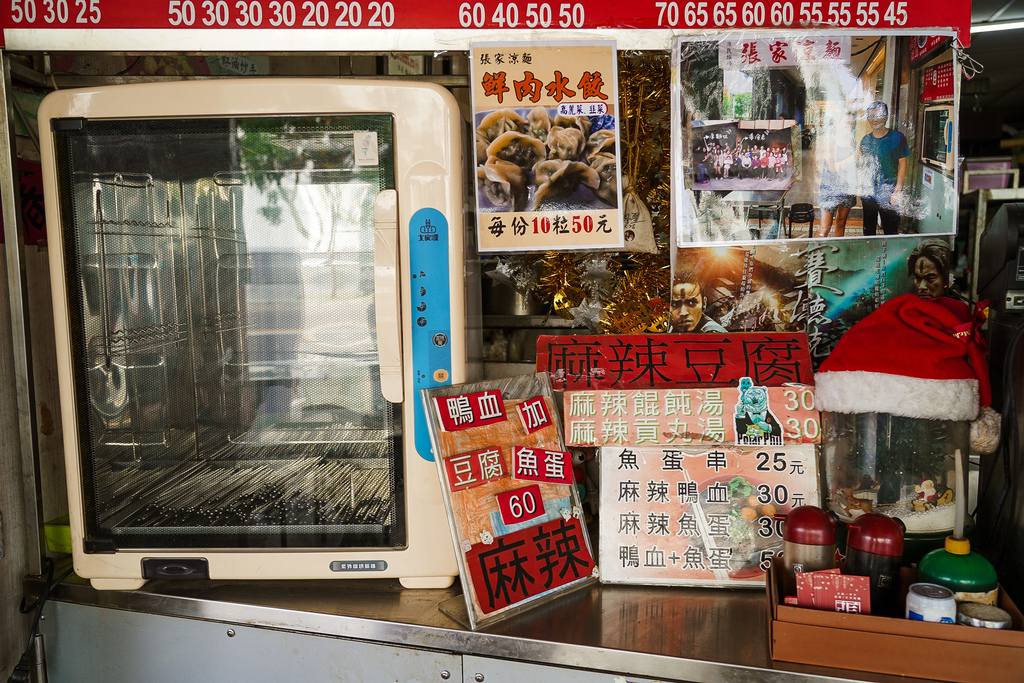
{"x":677,"y":634}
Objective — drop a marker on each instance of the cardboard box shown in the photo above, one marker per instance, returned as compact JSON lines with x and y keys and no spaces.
{"x":941,"y":652}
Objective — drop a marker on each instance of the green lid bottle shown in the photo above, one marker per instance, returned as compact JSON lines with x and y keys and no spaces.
{"x":970,"y":576}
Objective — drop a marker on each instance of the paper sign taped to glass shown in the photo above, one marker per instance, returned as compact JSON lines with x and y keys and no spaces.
{"x":698,"y":516}
{"x":512,"y":505}
{"x":547,"y":146}
{"x":748,"y":415}
{"x":792,"y":135}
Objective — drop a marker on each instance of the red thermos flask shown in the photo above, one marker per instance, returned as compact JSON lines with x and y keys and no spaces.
{"x":809,"y":543}
{"x":874,"y":547}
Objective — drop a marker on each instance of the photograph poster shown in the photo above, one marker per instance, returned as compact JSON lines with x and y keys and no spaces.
{"x":809,"y":127}
{"x":548,"y":171}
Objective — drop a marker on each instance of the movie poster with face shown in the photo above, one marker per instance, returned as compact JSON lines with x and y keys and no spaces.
{"x":808,"y":136}
{"x":751,"y":288}
{"x":820,"y":287}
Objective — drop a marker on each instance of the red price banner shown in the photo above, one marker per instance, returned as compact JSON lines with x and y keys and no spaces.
{"x":520,"y":505}
{"x":397,"y":14}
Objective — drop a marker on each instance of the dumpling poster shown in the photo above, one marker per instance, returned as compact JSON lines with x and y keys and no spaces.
{"x":547,"y":146}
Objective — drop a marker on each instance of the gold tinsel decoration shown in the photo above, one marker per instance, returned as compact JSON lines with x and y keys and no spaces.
{"x":561,"y":283}
{"x":638,"y":305}
{"x":635,"y":299}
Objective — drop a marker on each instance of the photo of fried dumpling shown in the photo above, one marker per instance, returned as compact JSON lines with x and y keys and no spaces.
{"x":607,"y":169}
{"x":539,"y":121}
{"x":481,"y":147}
{"x":557,"y":178}
{"x":519,"y":148}
{"x":503,"y":183}
{"x":501,"y":121}
{"x":581,"y":122}
{"x":566,"y":143}
{"x":600,"y":141}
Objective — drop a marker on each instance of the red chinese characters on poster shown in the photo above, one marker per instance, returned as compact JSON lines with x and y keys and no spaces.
{"x":537,"y":464}
{"x":778,"y":53}
{"x":473,"y":469}
{"x":470,"y":410}
{"x":665,"y":361}
{"x":529,"y":562}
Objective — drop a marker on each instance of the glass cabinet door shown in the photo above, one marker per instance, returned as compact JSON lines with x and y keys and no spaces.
{"x":222,"y":310}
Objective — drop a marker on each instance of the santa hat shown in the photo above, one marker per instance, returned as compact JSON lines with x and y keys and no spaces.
{"x":914,"y":357}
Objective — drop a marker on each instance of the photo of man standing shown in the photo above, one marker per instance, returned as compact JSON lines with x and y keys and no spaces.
{"x":883,"y":159}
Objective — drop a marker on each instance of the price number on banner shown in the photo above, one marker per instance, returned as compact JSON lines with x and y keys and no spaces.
{"x":724,"y":14}
{"x":810,"y":427}
{"x":277,"y":14}
{"x":778,"y":496}
{"x":83,"y":12}
{"x":520,"y":505}
{"x":534,"y":15}
{"x":776,"y":462}
{"x":765,"y":557}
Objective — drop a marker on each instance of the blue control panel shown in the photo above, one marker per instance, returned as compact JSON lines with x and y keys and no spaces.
{"x":431,"y":317}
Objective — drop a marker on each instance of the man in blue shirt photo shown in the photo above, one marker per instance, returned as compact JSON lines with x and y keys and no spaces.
{"x":883,"y":156}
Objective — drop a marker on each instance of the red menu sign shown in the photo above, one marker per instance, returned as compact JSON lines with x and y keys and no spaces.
{"x":665,"y":361}
{"x":937,"y":83}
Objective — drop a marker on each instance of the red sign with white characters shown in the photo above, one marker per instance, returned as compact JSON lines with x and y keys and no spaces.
{"x":537,"y":464}
{"x":470,"y":410}
{"x":937,"y":83}
{"x":534,"y":414}
{"x":488,"y":14}
{"x":467,"y":470}
{"x":520,"y":505}
{"x":528,"y":562}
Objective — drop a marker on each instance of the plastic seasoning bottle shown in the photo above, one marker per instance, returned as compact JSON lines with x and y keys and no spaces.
{"x":874,"y":547}
{"x":809,"y":543}
{"x":970,"y":576}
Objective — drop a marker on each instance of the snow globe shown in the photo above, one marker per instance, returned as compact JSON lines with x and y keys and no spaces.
{"x":901,"y":392}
